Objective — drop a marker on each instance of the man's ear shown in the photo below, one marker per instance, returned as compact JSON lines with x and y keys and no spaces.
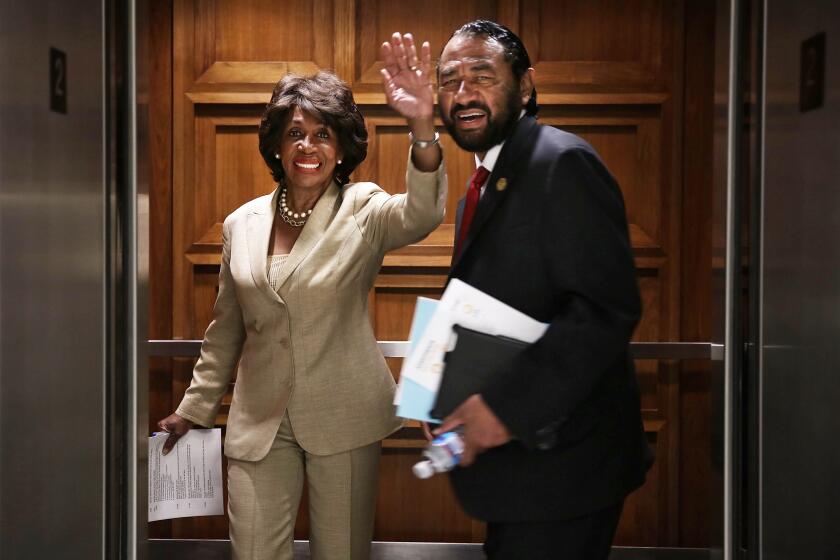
{"x":526,"y":85}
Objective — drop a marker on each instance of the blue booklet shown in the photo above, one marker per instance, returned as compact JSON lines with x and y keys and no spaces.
{"x":415,"y":401}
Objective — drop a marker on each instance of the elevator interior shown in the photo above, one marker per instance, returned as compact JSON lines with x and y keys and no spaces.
{"x":74,"y":219}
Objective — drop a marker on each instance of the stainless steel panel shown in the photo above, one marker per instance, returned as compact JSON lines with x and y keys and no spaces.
{"x":726,"y":49}
{"x":138,"y":158}
{"x":801,"y":291}
{"x":52,"y":284}
{"x":731,"y":350}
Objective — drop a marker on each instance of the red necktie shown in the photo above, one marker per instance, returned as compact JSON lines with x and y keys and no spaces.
{"x":473,"y":194}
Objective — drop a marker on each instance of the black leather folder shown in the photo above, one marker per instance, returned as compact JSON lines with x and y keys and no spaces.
{"x":473,"y":362}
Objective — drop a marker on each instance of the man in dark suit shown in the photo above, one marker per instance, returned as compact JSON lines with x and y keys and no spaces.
{"x":555,"y":443}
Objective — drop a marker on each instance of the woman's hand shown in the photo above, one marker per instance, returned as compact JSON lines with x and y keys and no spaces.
{"x":408,"y":88}
{"x":407,"y":79}
{"x":177,"y":426}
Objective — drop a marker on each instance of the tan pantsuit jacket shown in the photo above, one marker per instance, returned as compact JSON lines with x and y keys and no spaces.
{"x":309,"y":347}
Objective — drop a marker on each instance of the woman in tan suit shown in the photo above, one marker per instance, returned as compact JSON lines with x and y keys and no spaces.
{"x":313,"y":394}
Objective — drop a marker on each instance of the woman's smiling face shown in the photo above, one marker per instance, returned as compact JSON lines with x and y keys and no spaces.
{"x":308,"y":152}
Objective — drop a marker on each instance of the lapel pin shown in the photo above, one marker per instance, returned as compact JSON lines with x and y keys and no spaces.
{"x":501,"y":184}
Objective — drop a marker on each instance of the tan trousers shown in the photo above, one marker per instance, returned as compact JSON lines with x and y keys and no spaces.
{"x":263,"y":499}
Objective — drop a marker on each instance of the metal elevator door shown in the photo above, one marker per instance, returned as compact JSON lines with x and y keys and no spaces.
{"x":800,"y":492}
{"x":777,"y":166}
{"x":68,"y":273}
{"x":52,"y":281}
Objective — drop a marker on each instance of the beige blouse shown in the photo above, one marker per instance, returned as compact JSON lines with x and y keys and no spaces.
{"x":275,"y":265}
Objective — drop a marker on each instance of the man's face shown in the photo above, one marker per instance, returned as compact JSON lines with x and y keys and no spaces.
{"x":479,"y":98}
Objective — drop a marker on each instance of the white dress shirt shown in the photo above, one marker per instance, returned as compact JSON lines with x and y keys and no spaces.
{"x":490,"y":158}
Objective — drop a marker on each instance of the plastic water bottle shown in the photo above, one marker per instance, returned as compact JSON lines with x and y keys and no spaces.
{"x":442,"y":455}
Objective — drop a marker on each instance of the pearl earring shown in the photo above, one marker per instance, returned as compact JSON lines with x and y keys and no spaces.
{"x":276,"y":156}
{"x":339,"y":162}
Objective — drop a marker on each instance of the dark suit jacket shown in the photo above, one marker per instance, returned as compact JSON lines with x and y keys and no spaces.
{"x":549,"y":238}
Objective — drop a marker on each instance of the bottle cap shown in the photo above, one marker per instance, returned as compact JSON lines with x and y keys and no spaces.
{"x":423,"y":469}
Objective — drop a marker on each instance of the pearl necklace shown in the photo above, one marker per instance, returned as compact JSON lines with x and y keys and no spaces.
{"x":294,"y":219}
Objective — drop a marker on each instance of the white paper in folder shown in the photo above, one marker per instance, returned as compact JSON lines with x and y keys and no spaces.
{"x":187,"y":482}
{"x":464,"y":305}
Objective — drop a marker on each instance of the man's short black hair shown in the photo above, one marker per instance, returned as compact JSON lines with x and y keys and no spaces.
{"x":515,"y":52}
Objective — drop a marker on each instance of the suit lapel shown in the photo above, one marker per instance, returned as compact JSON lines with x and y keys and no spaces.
{"x":260,"y":221}
{"x":312,"y":232}
{"x":459,"y":215}
{"x":501,"y":181}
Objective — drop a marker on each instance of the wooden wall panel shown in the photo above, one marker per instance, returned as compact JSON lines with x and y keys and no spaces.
{"x":284,"y":31}
{"x":640,"y":517}
{"x":229,"y":170}
{"x":605,"y":70}
{"x":248,"y":40}
{"x":160,"y":216}
{"x":430,"y":20}
{"x":596,"y":43}
{"x":419,"y":510}
{"x":696,"y":324}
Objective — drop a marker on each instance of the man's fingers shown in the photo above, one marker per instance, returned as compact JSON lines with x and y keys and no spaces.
{"x":427,"y":431}
{"x":449,"y":423}
{"x":468,"y":456}
{"x":455,"y":419}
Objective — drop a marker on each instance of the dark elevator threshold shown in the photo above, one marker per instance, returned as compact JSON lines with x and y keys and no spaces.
{"x":173,"y":549}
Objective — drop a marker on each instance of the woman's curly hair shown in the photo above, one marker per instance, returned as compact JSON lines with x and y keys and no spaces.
{"x":327,"y":98}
